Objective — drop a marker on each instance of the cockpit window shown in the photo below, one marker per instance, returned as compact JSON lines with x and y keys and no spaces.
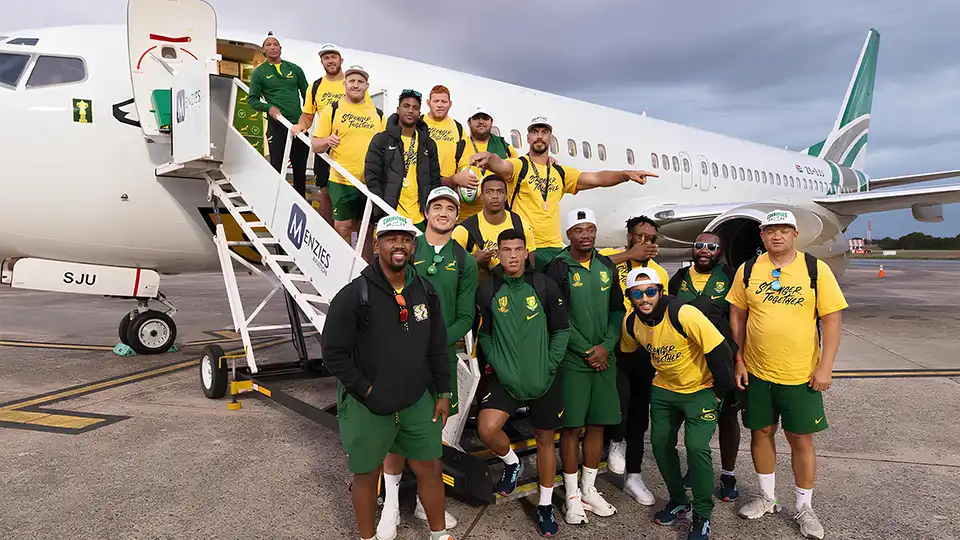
{"x":11,"y":68}
{"x":24,"y":41}
{"x":51,"y":70}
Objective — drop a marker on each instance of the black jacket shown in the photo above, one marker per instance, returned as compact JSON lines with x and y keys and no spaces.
{"x":383,"y":167}
{"x":368,"y":345}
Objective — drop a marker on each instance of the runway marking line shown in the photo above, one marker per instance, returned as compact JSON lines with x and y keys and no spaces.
{"x":26,"y":413}
{"x":217,"y":336}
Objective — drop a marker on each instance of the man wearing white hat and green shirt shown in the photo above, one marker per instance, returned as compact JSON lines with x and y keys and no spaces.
{"x":481,"y":139}
{"x":453,"y":273}
{"x":386,"y":343}
{"x":535,"y":188}
{"x":785,"y":361}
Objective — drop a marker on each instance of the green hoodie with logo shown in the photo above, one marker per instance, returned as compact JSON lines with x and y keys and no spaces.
{"x":523,"y":331}
{"x":594,"y":302}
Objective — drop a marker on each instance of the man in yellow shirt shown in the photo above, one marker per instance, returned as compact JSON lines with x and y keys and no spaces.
{"x":693,"y":368}
{"x":481,"y":139}
{"x":346,"y":127}
{"x":775,"y":303}
{"x":324,"y":91}
{"x":446,"y":132}
{"x":536,"y":188}
{"x":478,"y":234}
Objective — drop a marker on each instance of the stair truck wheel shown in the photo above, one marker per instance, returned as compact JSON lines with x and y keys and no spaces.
{"x":151,"y":332}
{"x":213,"y":372}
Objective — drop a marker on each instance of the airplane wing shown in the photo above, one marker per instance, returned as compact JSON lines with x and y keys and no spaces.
{"x":852,"y":204}
{"x":892,"y":181}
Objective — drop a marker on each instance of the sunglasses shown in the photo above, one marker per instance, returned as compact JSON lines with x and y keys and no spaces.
{"x":432,"y":270}
{"x":403,"y":306}
{"x":638,"y":294}
{"x":409,"y":92}
{"x":710,"y":246}
{"x":643,"y":237}
{"x":776,"y":279}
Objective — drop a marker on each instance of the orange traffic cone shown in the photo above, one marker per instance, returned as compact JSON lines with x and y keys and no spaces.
{"x":880,"y":275}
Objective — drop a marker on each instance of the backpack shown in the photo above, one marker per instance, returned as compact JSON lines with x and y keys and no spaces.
{"x":673,"y":313}
{"x":812,"y":271}
{"x":524,"y":168}
{"x":472,"y":225}
{"x":563,"y":272}
{"x":536,"y":279}
{"x":462,"y":145}
{"x":365,"y":297}
{"x":333,"y":111}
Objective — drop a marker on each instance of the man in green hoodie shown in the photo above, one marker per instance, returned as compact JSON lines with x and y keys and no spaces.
{"x":523,"y":334}
{"x":591,"y":290}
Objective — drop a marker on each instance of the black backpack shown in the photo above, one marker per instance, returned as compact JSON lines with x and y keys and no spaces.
{"x":812,"y":271}
{"x":673,"y":313}
{"x":536,"y":279}
{"x":524,"y":169}
{"x":462,"y":145}
{"x":562,"y":270}
{"x":472,"y":225}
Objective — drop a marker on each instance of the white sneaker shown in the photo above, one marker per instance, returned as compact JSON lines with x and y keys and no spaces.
{"x":594,"y":502}
{"x":421,"y":514}
{"x":389,"y":518}
{"x":575,"y":514}
{"x":757,"y":506}
{"x":635,"y":488}
{"x":617,"y":457}
{"x":809,"y":524}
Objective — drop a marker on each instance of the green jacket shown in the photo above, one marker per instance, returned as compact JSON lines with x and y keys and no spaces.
{"x":594,"y":303}
{"x":457,"y":296}
{"x":523,"y":331}
{"x":283,"y":92}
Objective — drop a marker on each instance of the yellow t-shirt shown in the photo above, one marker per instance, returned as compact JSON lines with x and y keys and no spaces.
{"x":782,"y":344}
{"x":680,"y":363}
{"x":624,"y":268}
{"x":529,"y":203}
{"x":699,"y":280}
{"x":355,"y":124}
{"x":327,"y":93}
{"x":474,"y":147}
{"x":446,"y":135}
{"x":490,"y":233}
{"x":409,"y":204}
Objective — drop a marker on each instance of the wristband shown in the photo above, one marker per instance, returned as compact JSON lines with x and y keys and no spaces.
{"x":448,"y":395}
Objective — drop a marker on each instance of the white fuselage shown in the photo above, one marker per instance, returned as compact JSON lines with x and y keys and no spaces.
{"x":87,"y":192}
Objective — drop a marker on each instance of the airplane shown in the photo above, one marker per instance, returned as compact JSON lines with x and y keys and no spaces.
{"x":102,"y":220}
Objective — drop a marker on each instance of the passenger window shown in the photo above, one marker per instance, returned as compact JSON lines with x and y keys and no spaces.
{"x":726,"y":172}
{"x":666,"y":163}
{"x":496,"y":131}
{"x":654,"y":160}
{"x":168,"y":53}
{"x":586,"y":150}
{"x":51,"y":70}
{"x":602,"y":152}
{"x":764,"y":175}
{"x":792,"y":182}
{"x":515,"y":138}
{"x":742,"y":176}
{"x":554,"y":145}
{"x":749,"y":175}
{"x":630,"y":159}
{"x":676,"y":163}
{"x":11,"y":67}
{"x":572,"y":147}
{"x":703,"y":168}
{"x":804,"y":183}
{"x":733,"y":172}
{"x":686,"y":165}
{"x":756,"y":175}
{"x":716,"y":171}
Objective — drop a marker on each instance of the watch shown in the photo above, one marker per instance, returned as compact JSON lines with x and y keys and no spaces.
{"x":448,"y":395}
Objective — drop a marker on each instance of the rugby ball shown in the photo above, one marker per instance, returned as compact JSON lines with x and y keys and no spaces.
{"x":467,"y":195}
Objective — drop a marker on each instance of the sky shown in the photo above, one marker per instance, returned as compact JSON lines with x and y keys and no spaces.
{"x":751,"y":69}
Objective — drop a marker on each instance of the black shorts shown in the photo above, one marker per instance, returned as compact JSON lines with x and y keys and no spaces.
{"x":321,"y":171}
{"x":545,"y":412}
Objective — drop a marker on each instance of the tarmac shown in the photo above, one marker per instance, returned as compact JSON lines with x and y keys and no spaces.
{"x":149,"y":457}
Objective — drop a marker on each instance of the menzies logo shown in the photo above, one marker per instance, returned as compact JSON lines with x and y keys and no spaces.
{"x":300,"y":236}
{"x":181,"y":107}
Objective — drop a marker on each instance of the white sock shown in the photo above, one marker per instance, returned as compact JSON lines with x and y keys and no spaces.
{"x":768,"y":485}
{"x":570,"y":482}
{"x":726,"y":472}
{"x":587,"y":479}
{"x":804,"y":496}
{"x":391,"y":489}
{"x":546,"y":496}
{"x":511,"y":458}
{"x":438,"y":535}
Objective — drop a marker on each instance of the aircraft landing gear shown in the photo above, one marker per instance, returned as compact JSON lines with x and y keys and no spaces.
{"x":148,"y":331}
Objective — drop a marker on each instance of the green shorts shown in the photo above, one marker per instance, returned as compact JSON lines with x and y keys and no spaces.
{"x":590,"y":398}
{"x":368,"y":438}
{"x":798,"y":407}
{"x":543,"y":255}
{"x":347,"y":201}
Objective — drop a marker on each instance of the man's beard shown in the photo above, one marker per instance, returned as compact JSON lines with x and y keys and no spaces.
{"x":710,"y":265}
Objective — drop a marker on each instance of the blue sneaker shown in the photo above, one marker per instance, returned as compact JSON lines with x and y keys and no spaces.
{"x":728,"y":488}
{"x":672,"y":512}
{"x":699,"y":529}
{"x":548,"y":524}
{"x":508,"y":480}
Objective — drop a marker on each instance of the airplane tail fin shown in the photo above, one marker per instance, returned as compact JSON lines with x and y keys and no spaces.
{"x":847,"y":144}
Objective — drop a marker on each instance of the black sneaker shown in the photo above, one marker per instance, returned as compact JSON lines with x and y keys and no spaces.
{"x":728,"y":488}
{"x":699,"y":529}
{"x":508,"y":480}
{"x":548,"y":524}
{"x":672,"y":512}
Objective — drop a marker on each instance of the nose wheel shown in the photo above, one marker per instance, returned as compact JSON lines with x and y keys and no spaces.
{"x":149,"y":332}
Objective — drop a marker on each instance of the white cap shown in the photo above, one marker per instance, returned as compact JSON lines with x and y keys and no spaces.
{"x":396,"y":223}
{"x":779,"y":217}
{"x":328,"y":48}
{"x":441,"y":192}
{"x":356,"y":68}
{"x":643,"y":276}
{"x":481,"y":109}
{"x":268,"y":36}
{"x":539,"y":120}
{"x":580,"y":215}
